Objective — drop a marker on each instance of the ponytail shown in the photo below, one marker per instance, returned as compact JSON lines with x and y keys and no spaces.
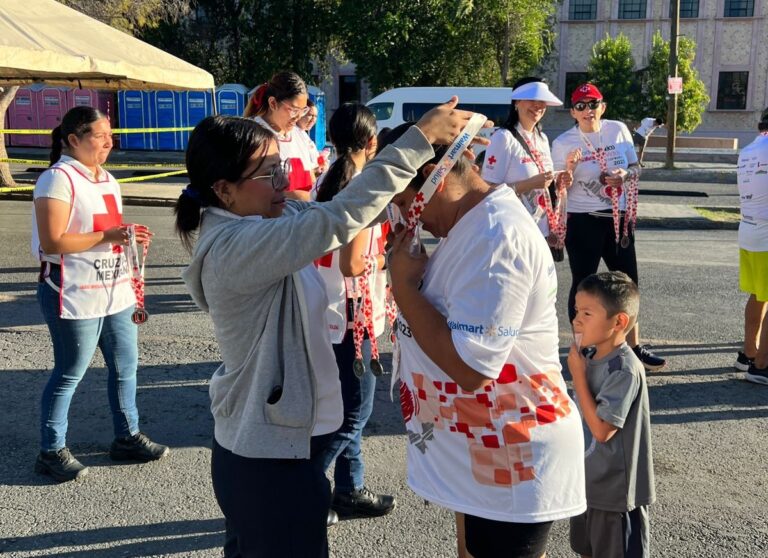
{"x":338,"y":176}
{"x":55,"y":144}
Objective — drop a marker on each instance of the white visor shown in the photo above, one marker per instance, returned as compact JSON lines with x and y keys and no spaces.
{"x":536,"y":91}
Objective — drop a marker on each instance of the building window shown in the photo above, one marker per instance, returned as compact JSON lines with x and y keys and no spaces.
{"x":739,"y":8}
{"x":572,"y":81}
{"x":349,"y":89}
{"x":632,"y":9}
{"x":732,"y":90}
{"x":582,"y":9}
{"x":688,"y":8}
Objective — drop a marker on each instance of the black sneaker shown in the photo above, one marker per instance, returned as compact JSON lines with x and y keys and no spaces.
{"x":137,"y":448}
{"x":649,"y":360}
{"x":60,"y":464}
{"x":362,"y":502}
{"x":743,"y":362}
{"x":757,"y":375}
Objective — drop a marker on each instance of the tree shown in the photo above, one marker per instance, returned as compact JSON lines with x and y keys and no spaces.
{"x":693,"y":101}
{"x":612,"y":69}
{"x":6,"y":98}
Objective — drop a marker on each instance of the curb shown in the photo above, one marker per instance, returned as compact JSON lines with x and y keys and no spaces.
{"x":698,"y":176}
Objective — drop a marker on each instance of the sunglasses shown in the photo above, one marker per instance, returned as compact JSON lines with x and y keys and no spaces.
{"x":278,"y":177}
{"x":294,"y":112}
{"x":581,"y":105}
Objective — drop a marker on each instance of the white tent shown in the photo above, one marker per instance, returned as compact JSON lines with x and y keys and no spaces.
{"x":45,"y":41}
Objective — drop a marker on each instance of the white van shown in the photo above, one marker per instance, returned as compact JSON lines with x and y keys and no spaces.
{"x":405,"y":104}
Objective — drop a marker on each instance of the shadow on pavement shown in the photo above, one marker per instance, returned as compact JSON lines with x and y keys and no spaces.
{"x":174,"y":537}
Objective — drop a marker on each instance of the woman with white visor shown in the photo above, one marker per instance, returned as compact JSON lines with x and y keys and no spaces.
{"x":519,"y":157}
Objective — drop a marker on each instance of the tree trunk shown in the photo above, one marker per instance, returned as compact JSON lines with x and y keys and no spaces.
{"x":505,"y":54}
{"x":6,"y":97}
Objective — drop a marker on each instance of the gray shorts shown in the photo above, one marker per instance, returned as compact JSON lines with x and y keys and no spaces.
{"x":605,"y":534}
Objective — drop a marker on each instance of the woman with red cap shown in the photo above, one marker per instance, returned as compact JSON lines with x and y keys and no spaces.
{"x":278,"y":105}
{"x":602,"y":202}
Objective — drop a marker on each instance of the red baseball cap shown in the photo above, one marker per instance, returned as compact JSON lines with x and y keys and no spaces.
{"x":585,"y":91}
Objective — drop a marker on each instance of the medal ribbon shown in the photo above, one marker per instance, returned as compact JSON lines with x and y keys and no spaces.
{"x":363,"y":319}
{"x":136,"y":270}
{"x":613,"y":192}
{"x":556,"y":214}
{"x":630,"y":217}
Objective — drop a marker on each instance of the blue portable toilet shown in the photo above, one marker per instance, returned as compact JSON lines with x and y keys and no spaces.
{"x":231,"y":99}
{"x":317,"y":133}
{"x":135,"y":110}
{"x":195,"y":105}
{"x":167,"y":114}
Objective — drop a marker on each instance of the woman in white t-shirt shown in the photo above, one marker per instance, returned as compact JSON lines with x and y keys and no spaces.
{"x":356,"y":287}
{"x":84,"y":290}
{"x":753,"y":254}
{"x":305,"y":124}
{"x":492,"y":432}
{"x":278,"y":105}
{"x":519,"y":157}
{"x":598,"y":200}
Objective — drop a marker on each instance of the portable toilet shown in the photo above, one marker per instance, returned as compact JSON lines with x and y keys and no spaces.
{"x":167,"y":114}
{"x":22,"y":115}
{"x":134,"y":112}
{"x":231,"y":99}
{"x":195,"y":105}
{"x":101,"y":100}
{"x":317,"y":133}
{"x":52,"y":105}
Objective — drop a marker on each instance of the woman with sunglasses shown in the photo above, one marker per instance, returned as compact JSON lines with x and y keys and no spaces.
{"x":598,"y":201}
{"x":276,"y":399}
{"x":278,"y":105}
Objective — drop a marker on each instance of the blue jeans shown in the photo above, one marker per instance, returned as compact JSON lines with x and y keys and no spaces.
{"x":74,"y":343}
{"x":357,"y":394}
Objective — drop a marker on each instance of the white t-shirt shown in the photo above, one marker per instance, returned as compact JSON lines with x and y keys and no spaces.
{"x":512,"y":451}
{"x":752,"y":176}
{"x":507,"y":161}
{"x":647,"y":126}
{"x":313,"y":153}
{"x":587,"y":193}
{"x":293,"y":147}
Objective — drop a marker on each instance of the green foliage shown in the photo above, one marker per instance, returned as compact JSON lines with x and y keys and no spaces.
{"x":694,"y":99}
{"x":612,"y":69}
{"x":131,"y":15}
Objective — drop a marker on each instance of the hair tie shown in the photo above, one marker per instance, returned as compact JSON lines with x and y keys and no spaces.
{"x":191,"y":194}
{"x":258,"y":96}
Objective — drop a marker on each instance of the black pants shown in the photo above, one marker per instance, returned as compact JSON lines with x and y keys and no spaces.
{"x":487,"y":538}
{"x":588,"y":240}
{"x":274,"y":508}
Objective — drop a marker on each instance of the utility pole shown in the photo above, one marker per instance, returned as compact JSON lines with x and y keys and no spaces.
{"x":672,"y":102}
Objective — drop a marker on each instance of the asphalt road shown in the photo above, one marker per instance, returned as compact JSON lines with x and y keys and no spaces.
{"x":709,"y":426}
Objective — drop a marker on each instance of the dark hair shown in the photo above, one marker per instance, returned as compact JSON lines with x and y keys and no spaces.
{"x":461,"y":167}
{"x":219,"y":148}
{"x":351,"y":128}
{"x":78,"y":121}
{"x":310,"y":103}
{"x":616,"y":292}
{"x":282,"y":86}
{"x":513,"y":117}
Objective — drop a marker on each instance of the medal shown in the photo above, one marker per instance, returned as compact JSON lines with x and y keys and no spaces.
{"x":358,"y":367}
{"x":376,"y":367}
{"x":136,"y":270}
{"x":363,"y":321}
{"x":603,"y":178}
{"x":625,"y":242}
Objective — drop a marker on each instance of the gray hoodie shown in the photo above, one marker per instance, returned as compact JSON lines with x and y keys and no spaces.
{"x":243,"y":273}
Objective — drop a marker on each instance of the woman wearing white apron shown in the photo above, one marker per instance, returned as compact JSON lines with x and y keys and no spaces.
{"x":84,"y":290}
{"x":356,"y":286}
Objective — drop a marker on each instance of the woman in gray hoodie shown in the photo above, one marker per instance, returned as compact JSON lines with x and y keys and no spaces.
{"x":276,"y":398}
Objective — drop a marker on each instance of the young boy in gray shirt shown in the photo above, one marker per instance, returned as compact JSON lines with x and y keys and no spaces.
{"x":613,"y":397}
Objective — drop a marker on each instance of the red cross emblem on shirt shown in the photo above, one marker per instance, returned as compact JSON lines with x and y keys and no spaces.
{"x":492,"y":160}
{"x":112,"y":218}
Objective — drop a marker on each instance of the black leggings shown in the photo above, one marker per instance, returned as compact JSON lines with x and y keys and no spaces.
{"x":590,"y":238}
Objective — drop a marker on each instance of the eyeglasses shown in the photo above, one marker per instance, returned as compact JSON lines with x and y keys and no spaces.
{"x":294,"y":112}
{"x":278,"y":176}
{"x":581,"y":105}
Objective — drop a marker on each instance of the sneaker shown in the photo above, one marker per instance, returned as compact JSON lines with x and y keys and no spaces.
{"x":649,"y":360}
{"x":757,"y":375}
{"x":362,"y":502}
{"x":743,"y":362}
{"x":137,"y":448}
{"x":60,"y":464}
{"x":333,"y":518}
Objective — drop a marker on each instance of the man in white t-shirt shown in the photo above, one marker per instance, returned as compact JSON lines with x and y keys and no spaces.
{"x":641,"y":134}
{"x":492,"y":432}
{"x":752,"y":176}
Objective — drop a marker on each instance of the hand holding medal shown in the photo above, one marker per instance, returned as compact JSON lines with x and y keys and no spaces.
{"x":138,"y":234}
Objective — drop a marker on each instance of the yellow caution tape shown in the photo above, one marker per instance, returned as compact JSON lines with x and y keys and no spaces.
{"x":17,"y":189}
{"x":46,"y":164}
{"x":26,"y":132}
{"x":150,"y":177}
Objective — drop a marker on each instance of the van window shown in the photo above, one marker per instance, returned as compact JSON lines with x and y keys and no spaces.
{"x":382,"y":111}
{"x":498,"y":113}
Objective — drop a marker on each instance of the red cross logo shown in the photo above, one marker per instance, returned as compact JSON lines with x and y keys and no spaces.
{"x":112,"y":218}
{"x":325,"y":261}
{"x":492,"y":160}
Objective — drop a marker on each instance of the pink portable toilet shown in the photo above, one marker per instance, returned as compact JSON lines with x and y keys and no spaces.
{"x":22,"y":115}
{"x":81,"y":98}
{"x":103,"y":100}
{"x":52,"y":105}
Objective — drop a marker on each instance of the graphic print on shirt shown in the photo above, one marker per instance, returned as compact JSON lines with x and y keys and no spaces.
{"x":112,"y":218}
{"x":496,"y":421}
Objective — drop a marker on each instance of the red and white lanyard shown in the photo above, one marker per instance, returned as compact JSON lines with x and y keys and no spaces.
{"x":136,"y":270}
{"x":555,"y":215}
{"x":363,"y":321}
